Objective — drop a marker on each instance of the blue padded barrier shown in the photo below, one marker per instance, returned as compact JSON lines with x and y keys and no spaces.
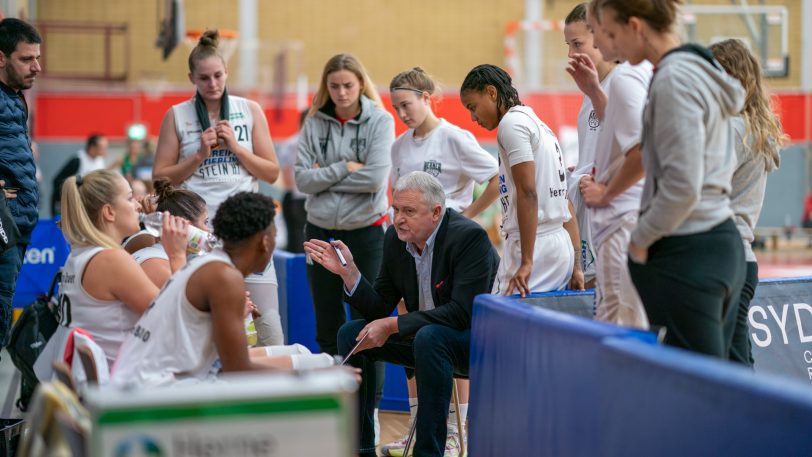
{"x":395,"y":394}
{"x":299,"y":322}
{"x":658,"y":400}
{"x":546,"y":383}
{"x":295,"y":301}
{"x":45,"y":255}
{"x":780,"y":323}
{"x":534,"y":376}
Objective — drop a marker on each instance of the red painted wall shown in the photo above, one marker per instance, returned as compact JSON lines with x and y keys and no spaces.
{"x":72,"y":116}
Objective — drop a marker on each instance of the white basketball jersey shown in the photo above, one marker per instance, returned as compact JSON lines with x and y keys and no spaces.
{"x":156,"y":251}
{"x":173,"y":340}
{"x":450,"y":154}
{"x":523,"y":137}
{"x":222,"y":174}
{"x":109,"y":322}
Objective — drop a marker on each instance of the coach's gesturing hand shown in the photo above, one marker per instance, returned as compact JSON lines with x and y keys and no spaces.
{"x":324,"y":253}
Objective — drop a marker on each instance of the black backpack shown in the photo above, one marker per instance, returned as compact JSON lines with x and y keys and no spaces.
{"x":30,"y":334}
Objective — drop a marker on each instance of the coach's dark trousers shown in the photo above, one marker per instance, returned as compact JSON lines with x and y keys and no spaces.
{"x":436,"y":353}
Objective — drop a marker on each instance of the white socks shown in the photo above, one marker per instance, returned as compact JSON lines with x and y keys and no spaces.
{"x":452,"y":416}
{"x":377,"y":428}
{"x":412,"y":410}
{"x":290,"y":349}
{"x":310,"y":361}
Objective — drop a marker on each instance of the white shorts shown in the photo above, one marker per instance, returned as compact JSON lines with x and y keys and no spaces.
{"x":585,"y":230}
{"x":553,"y":259}
{"x":616,"y":298}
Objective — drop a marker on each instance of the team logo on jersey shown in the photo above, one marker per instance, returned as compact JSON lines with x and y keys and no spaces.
{"x":593,"y":122}
{"x":561,"y":175}
{"x":358,"y":145}
{"x":433,"y":167}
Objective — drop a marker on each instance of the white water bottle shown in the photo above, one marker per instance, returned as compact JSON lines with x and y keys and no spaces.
{"x":198,"y":240}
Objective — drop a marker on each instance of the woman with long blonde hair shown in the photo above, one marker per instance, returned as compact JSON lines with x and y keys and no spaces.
{"x":104,"y":291}
{"x":759,"y":137}
{"x":343,"y":166}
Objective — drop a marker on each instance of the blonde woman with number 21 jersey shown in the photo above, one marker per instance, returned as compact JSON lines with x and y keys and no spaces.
{"x":216,"y":144}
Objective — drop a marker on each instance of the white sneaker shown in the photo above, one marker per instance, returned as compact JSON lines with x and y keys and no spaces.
{"x":395,"y":448}
{"x":452,"y":445}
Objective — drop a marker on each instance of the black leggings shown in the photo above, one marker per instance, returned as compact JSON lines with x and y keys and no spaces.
{"x":327,"y":289}
{"x":690,"y":283}
{"x":740,"y":349}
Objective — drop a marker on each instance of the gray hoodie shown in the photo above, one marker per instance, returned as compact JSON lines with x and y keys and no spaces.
{"x":687,"y":144}
{"x":338,"y":199}
{"x":749,"y":184}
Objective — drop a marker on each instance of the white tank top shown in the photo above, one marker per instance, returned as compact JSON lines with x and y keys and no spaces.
{"x":173,"y":340}
{"x":156,"y":251}
{"x":109,"y":322}
{"x":221,"y":175}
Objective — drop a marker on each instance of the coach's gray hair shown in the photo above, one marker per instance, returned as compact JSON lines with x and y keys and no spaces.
{"x":426,"y":184}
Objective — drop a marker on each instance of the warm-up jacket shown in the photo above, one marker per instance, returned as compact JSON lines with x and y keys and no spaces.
{"x":338,"y":199}
{"x":17,"y":166}
{"x":749,"y":184}
{"x":688,"y":146}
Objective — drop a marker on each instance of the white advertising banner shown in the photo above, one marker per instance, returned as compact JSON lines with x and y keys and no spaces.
{"x":249,"y":416}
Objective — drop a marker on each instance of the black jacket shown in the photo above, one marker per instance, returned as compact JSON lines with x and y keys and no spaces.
{"x":464,"y":265}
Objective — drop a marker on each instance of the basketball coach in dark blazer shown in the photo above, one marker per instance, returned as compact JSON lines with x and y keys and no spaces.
{"x":437,"y":261}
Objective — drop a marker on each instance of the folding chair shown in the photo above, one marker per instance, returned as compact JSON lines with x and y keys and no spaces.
{"x":73,"y":433}
{"x":460,"y":424}
{"x":88,"y":363}
{"x":47,"y":433}
{"x":62,"y":373}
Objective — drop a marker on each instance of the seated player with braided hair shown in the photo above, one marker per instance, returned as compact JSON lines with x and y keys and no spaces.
{"x":199,"y":314}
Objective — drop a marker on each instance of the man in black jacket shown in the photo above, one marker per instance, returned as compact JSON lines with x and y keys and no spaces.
{"x":437,"y":261}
